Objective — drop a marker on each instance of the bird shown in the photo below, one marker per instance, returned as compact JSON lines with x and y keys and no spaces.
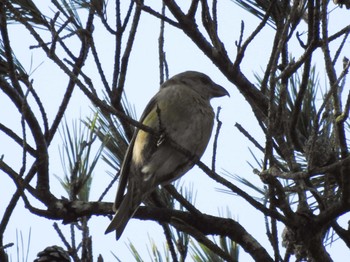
{"x":181,"y":117}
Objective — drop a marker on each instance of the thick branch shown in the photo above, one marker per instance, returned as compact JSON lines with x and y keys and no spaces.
{"x":207,"y":224}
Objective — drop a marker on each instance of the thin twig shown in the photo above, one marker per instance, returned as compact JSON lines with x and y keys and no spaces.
{"x":161,"y":53}
{"x":183,"y":201}
{"x":149,"y":10}
{"x":201,"y":238}
{"x":72,"y":251}
{"x":250,"y":138}
{"x":10,"y":133}
{"x":168,"y":237}
{"x":99,"y":67}
{"x":216,"y":137}
{"x":340,"y":48}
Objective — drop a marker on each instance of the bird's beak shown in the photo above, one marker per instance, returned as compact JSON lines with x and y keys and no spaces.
{"x":219,"y":91}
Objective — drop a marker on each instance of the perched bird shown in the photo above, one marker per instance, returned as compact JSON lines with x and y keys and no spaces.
{"x":179,"y":113}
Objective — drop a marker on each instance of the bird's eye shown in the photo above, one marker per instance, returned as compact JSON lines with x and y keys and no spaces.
{"x":205,"y":80}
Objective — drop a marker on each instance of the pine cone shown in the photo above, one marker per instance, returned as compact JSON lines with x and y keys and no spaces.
{"x":53,"y":254}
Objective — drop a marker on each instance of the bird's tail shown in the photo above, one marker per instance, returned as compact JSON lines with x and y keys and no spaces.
{"x":125,"y":211}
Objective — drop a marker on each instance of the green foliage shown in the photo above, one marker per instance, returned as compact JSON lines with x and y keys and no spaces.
{"x":111,"y":133}
{"x":4,"y":67}
{"x":278,"y":10}
{"x":77,"y":159}
{"x":29,"y":10}
{"x":200,"y":252}
{"x":69,"y":10}
{"x":254,"y":8}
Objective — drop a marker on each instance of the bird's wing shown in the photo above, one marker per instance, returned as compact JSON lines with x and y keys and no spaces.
{"x":123,"y":174}
{"x":125,"y":168}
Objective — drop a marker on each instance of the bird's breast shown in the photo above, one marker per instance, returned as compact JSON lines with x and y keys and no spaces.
{"x":185,"y":120}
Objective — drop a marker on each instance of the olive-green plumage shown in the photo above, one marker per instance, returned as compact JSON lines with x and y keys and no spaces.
{"x":180,"y":112}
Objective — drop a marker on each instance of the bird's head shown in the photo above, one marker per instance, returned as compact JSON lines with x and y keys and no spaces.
{"x":199,"y":82}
